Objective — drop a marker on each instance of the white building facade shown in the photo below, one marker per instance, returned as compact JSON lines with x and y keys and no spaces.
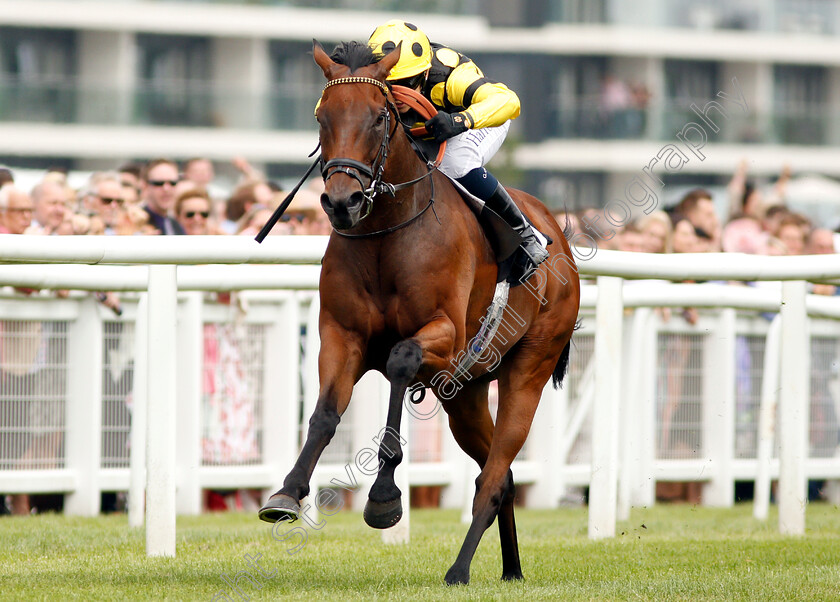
{"x":90,"y":84}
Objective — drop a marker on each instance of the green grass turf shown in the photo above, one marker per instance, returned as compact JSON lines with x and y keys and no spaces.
{"x":670,"y":552}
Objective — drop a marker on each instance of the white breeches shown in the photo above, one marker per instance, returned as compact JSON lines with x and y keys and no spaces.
{"x":472,"y":149}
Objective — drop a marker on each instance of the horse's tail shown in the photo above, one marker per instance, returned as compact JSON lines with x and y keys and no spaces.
{"x":560,"y":368}
{"x":562,"y":363}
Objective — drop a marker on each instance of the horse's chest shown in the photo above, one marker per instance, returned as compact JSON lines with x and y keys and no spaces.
{"x":402,"y":317}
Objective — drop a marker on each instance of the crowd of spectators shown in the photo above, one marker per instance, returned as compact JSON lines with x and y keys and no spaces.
{"x":759,"y":222}
{"x":159,"y":197}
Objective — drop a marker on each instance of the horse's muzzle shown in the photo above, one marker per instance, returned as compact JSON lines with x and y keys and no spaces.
{"x":344,"y":213}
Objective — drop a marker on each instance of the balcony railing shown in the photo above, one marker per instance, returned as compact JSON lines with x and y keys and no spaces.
{"x":584,"y":117}
{"x":446,"y":7}
{"x":290,"y":107}
{"x":182,"y":104}
{"x":781,"y":16}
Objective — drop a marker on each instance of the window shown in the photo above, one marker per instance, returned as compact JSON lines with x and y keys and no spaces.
{"x":578,"y":11}
{"x":37,"y":71}
{"x":687,"y":83}
{"x":574,"y":102}
{"x":801,"y":113}
{"x":296,"y":83}
{"x":173,"y":81}
{"x":567,"y":191}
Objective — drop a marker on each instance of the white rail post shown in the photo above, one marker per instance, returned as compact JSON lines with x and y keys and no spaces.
{"x":190,"y":349}
{"x":644,"y":488}
{"x":366,"y":417}
{"x":767,"y":419}
{"x":139,"y":409}
{"x":281,"y":398}
{"x":794,"y":401}
{"x":632,"y":408}
{"x":84,"y":409}
{"x":719,"y":411}
{"x":161,"y":387}
{"x":544,"y":449}
{"x":560,"y":399}
{"x":605,"y":420}
{"x":459,"y":486}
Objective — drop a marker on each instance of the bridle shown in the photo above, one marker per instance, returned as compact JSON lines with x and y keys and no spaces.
{"x":374,"y":172}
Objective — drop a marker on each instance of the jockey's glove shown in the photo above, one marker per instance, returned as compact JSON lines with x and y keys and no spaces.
{"x":445,"y":125}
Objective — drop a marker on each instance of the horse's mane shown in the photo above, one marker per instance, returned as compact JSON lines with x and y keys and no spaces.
{"x":354,"y":54}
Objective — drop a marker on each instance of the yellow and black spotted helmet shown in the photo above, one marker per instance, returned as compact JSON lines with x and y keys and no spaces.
{"x":415,"y":54}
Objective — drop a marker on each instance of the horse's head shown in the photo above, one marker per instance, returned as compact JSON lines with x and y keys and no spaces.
{"x":356,"y":120}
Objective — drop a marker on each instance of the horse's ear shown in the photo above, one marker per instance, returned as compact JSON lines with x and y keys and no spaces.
{"x":324,"y":61}
{"x":386,"y":63}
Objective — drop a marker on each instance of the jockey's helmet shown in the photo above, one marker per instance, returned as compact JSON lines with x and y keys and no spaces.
{"x":415,"y":54}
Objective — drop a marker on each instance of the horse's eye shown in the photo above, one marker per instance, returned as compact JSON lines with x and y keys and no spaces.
{"x":380,"y":119}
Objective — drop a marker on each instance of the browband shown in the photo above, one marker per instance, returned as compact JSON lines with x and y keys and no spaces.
{"x":357,"y":79}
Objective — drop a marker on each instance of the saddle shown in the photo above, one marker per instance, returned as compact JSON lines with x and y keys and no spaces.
{"x":513,"y":264}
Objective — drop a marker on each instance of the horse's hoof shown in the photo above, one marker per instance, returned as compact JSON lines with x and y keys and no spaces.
{"x":280,"y":507}
{"x":382,"y":515}
{"x":456,"y":576}
{"x":512,"y":576}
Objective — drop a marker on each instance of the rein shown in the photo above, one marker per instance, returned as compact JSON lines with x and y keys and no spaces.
{"x":374,"y":173}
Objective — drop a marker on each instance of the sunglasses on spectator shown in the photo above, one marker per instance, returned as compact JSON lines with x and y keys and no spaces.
{"x":192,"y":214}
{"x":108,"y":201}
{"x":161,"y":183}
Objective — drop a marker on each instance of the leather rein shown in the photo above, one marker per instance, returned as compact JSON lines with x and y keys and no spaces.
{"x":374,"y":173}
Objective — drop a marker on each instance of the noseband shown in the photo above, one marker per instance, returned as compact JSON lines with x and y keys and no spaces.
{"x":353,"y":168}
{"x":373,"y":173}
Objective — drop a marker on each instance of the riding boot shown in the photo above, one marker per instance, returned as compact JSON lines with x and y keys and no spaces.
{"x":503,"y":205}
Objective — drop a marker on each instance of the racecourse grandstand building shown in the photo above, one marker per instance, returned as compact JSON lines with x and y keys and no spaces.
{"x":613,"y":92}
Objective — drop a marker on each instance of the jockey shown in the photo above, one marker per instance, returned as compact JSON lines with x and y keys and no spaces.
{"x":474,"y":117}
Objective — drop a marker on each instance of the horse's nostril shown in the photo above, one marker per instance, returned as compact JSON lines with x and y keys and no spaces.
{"x":356,"y":199}
{"x":326,"y":203}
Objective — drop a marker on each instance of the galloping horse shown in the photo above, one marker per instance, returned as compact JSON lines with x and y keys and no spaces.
{"x":404,"y":289}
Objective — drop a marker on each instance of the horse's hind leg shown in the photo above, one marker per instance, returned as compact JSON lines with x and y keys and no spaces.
{"x":472,"y":428}
{"x":511,"y":566}
{"x":517,"y":404}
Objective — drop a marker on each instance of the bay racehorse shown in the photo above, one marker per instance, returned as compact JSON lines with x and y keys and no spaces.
{"x":406,"y":279}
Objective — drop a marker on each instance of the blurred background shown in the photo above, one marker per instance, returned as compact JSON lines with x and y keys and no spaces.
{"x":605,"y":84}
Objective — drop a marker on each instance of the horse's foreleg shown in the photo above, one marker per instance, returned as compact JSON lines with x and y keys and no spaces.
{"x":429,"y":345}
{"x":285,"y":504}
{"x":338,"y":366}
{"x":384,"y":508}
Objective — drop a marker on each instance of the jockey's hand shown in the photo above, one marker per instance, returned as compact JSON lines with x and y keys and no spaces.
{"x":445,"y":125}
